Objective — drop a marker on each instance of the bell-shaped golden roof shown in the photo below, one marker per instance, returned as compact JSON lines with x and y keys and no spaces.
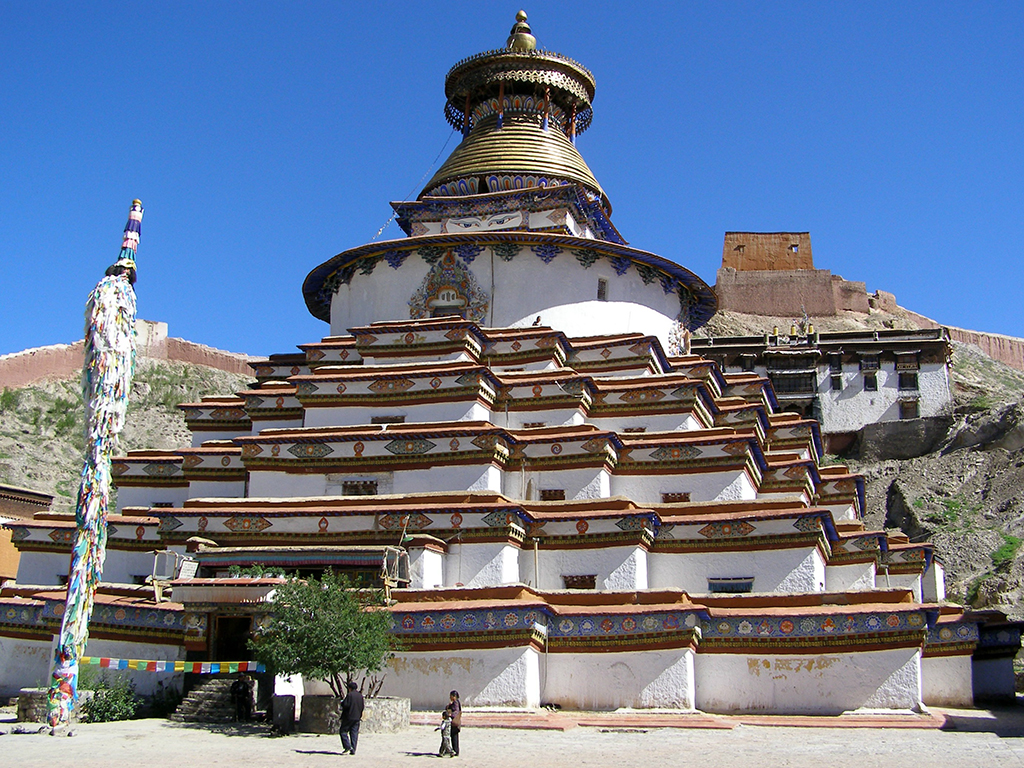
{"x":519,"y":154}
{"x":520,"y":110}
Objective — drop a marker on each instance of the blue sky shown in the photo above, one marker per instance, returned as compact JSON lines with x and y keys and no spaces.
{"x":263,"y":138}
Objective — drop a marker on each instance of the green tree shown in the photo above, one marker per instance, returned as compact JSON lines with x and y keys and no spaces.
{"x":324,"y":629}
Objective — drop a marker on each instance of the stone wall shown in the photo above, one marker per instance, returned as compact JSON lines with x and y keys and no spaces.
{"x":383,"y":714}
{"x":789,"y":292}
{"x":905,"y":439}
{"x":62,"y":361}
{"x":750,"y":251}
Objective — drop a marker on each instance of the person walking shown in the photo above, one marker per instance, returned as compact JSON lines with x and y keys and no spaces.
{"x":454,"y":709}
{"x":446,"y":735}
{"x":351,"y":714}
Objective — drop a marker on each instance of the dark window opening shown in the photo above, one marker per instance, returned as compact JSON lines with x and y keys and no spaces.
{"x":870,"y":382}
{"x":908,"y":381}
{"x":869,"y":363}
{"x":634,"y":429}
{"x":910,"y":409}
{"x":447,"y":312}
{"x":387,"y":419}
{"x":359,"y":488}
{"x":588,"y":581}
{"x":552,"y":494}
{"x":794,"y":384}
{"x":835,"y":364}
{"x":732,"y":585}
{"x":837,"y":382}
{"x":791,"y":362}
{"x":674,"y":497}
{"x":747,"y":362}
{"x":602,"y":289}
{"x":533,"y":424}
{"x":162,"y":504}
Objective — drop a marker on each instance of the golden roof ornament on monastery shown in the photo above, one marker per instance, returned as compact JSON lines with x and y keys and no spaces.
{"x":520,"y":110}
{"x":520,"y":39}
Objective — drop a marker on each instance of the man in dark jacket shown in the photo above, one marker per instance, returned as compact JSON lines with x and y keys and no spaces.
{"x":351,"y":714}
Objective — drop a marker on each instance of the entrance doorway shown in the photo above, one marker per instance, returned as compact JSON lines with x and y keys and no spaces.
{"x":231,"y":640}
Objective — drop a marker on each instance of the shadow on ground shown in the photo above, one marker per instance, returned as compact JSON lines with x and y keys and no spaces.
{"x":231,"y":729}
{"x":1005,"y":722}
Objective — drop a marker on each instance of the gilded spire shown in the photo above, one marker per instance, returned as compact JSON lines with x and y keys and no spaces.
{"x":520,"y":39}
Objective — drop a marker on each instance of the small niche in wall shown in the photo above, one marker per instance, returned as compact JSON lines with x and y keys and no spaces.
{"x":675,"y":497}
{"x":585,"y":581}
{"x":732,"y":585}
{"x":359,"y":488}
{"x":387,"y":419}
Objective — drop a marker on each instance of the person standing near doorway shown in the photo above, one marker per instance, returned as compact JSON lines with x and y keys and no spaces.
{"x":351,"y":715}
{"x":455,"y":709}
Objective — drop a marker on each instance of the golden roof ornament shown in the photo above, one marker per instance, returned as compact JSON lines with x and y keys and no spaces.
{"x":520,"y":39}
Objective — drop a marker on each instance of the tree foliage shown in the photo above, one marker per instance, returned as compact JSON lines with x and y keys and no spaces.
{"x":324,"y":629}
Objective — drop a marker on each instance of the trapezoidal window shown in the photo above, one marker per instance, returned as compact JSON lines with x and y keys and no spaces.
{"x":359,"y":488}
{"x":870,"y":382}
{"x":675,"y":497}
{"x":909,"y":409}
{"x":908,"y":380}
{"x":586,"y":581}
{"x":731,"y":585}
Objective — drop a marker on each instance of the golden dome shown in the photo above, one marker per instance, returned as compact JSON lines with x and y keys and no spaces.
{"x":520,"y":148}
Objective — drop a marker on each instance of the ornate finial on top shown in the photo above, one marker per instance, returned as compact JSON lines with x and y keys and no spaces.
{"x":520,"y":39}
{"x":125,"y":263}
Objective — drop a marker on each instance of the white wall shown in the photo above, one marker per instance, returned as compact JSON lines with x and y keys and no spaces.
{"x":481,"y":565}
{"x":852,"y":577}
{"x":618,"y":568}
{"x":134,"y":496}
{"x":507,"y":677}
{"x":993,"y":679}
{"x":585,"y":483}
{"x":794,"y":570}
{"x":216,"y":489}
{"x":654,"y":422}
{"x":933,"y":583}
{"x":810,"y":684}
{"x":849,"y":409}
{"x":730,"y":485}
{"x":947,"y":681}
{"x":347,"y":416}
{"x":562,"y":292}
{"x":426,"y":568}
{"x":910,"y":581}
{"x":43,"y":568}
{"x":604,"y":681}
{"x":26,"y":663}
{"x":146,"y":683}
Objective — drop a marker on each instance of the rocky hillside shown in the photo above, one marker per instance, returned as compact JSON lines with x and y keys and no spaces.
{"x":41,"y":426}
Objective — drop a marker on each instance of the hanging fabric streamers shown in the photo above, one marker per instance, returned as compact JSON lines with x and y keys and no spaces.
{"x":106,"y":382}
{"x":192,"y":667}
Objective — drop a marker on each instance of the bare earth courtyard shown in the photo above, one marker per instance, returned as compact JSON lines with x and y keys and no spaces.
{"x":969,"y":738}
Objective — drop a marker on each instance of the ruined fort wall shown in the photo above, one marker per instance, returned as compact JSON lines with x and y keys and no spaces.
{"x":62,"y":361}
{"x":1006,"y":349}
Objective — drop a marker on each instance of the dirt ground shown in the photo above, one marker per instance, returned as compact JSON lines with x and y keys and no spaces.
{"x":970,"y":738}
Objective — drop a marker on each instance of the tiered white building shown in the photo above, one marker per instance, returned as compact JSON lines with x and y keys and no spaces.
{"x":504,"y":429}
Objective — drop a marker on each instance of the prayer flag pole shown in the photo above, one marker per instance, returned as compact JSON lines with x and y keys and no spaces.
{"x":106,"y":381}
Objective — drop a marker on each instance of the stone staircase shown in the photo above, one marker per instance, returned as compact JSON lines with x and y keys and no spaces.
{"x":208,"y":702}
